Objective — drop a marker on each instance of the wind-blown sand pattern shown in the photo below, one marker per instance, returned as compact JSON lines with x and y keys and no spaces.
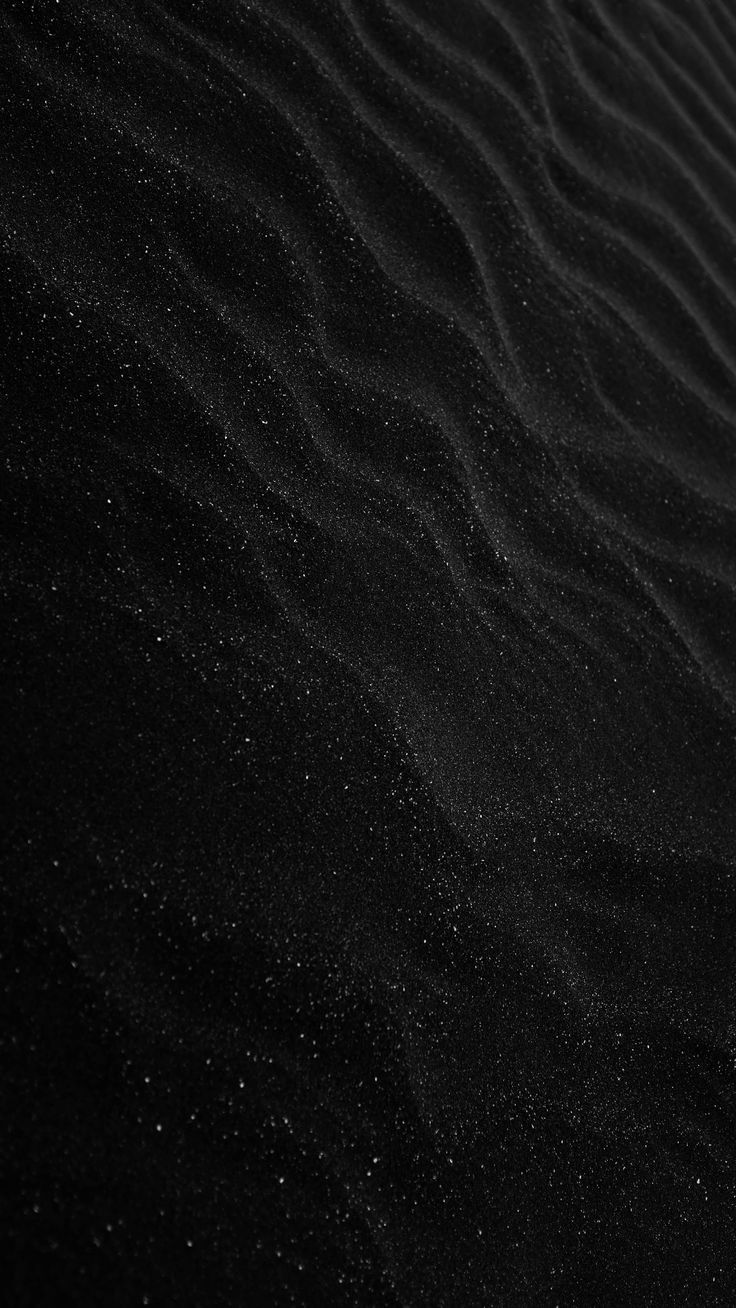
{"x":370,"y":572}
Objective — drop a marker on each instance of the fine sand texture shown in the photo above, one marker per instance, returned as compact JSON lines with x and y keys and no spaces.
{"x":369,"y":696}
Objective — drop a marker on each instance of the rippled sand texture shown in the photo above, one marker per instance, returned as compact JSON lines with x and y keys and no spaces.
{"x":370,"y":565}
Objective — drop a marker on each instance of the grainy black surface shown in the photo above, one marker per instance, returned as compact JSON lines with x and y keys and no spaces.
{"x":369,"y":578}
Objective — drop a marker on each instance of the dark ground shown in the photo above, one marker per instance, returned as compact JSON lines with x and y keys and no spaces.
{"x":369,"y":574}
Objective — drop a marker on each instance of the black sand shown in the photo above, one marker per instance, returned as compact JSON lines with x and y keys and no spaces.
{"x":369,"y":576}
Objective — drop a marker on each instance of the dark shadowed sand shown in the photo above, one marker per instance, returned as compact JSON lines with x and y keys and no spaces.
{"x":369,"y":581}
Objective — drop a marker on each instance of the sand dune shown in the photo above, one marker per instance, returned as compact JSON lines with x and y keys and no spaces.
{"x":370,"y":560}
